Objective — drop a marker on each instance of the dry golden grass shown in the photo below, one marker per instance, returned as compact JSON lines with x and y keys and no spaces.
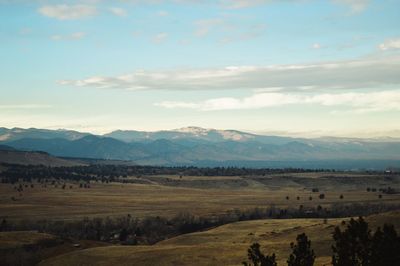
{"x":142,"y":200}
{"x":169,"y":195}
{"x":225,"y":245}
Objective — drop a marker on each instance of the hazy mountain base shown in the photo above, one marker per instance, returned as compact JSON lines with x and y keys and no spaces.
{"x":209,"y":147}
{"x":243,"y":154}
{"x":307,"y":164}
{"x":11,"y":156}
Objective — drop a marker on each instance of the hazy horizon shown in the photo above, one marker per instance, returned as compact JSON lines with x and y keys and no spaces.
{"x":310,"y":135}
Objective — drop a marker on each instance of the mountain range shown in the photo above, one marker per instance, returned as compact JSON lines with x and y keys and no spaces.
{"x":206,"y":147}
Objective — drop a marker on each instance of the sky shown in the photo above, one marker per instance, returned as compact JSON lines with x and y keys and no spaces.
{"x":288,"y":67}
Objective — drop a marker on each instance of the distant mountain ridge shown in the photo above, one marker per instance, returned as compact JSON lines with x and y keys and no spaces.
{"x":198,"y":133}
{"x":20,"y":133}
{"x":194,"y":145}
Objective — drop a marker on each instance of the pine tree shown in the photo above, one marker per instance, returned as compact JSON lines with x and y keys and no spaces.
{"x":352,"y":246}
{"x":385,"y":248}
{"x":302,"y":254}
{"x":257,"y":258}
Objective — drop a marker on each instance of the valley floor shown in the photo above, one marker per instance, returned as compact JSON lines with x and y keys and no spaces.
{"x":167,"y":196}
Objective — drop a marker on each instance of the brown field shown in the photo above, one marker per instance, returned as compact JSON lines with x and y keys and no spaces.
{"x":167,"y":196}
{"x":224,"y":245}
{"x":170,"y":195}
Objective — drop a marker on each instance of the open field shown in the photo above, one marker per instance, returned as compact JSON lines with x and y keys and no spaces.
{"x":169,"y":195}
{"x":224,"y":245}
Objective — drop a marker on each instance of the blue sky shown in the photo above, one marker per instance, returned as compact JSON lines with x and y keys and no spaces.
{"x":285,"y":67}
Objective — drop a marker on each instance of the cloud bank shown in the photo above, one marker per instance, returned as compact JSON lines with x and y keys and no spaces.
{"x":358,"y":74}
{"x":355,"y":5}
{"x":357,"y":101}
{"x":78,"y":11}
{"x":390,"y":44}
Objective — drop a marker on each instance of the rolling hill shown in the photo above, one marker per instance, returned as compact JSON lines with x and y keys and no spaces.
{"x":224,"y":245}
{"x":10,"y":155}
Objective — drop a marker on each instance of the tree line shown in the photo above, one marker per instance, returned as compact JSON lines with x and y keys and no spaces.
{"x":110,"y":173}
{"x":130,"y":230}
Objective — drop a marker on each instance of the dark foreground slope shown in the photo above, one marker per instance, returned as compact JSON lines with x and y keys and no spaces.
{"x":224,"y":245}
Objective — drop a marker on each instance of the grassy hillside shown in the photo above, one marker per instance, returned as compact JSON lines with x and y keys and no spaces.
{"x":225,"y":245}
{"x":33,"y":158}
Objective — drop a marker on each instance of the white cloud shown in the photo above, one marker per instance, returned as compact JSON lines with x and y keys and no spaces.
{"x":235,"y":4}
{"x":355,"y":5}
{"x":359,"y":102}
{"x":120,"y":12}
{"x":316,"y":46}
{"x":67,"y":12}
{"x":358,"y":74}
{"x":390,"y":44}
{"x":73,"y":36}
{"x":160,"y":37}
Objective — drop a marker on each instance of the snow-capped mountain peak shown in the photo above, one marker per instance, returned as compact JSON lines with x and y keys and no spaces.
{"x":194,"y":130}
